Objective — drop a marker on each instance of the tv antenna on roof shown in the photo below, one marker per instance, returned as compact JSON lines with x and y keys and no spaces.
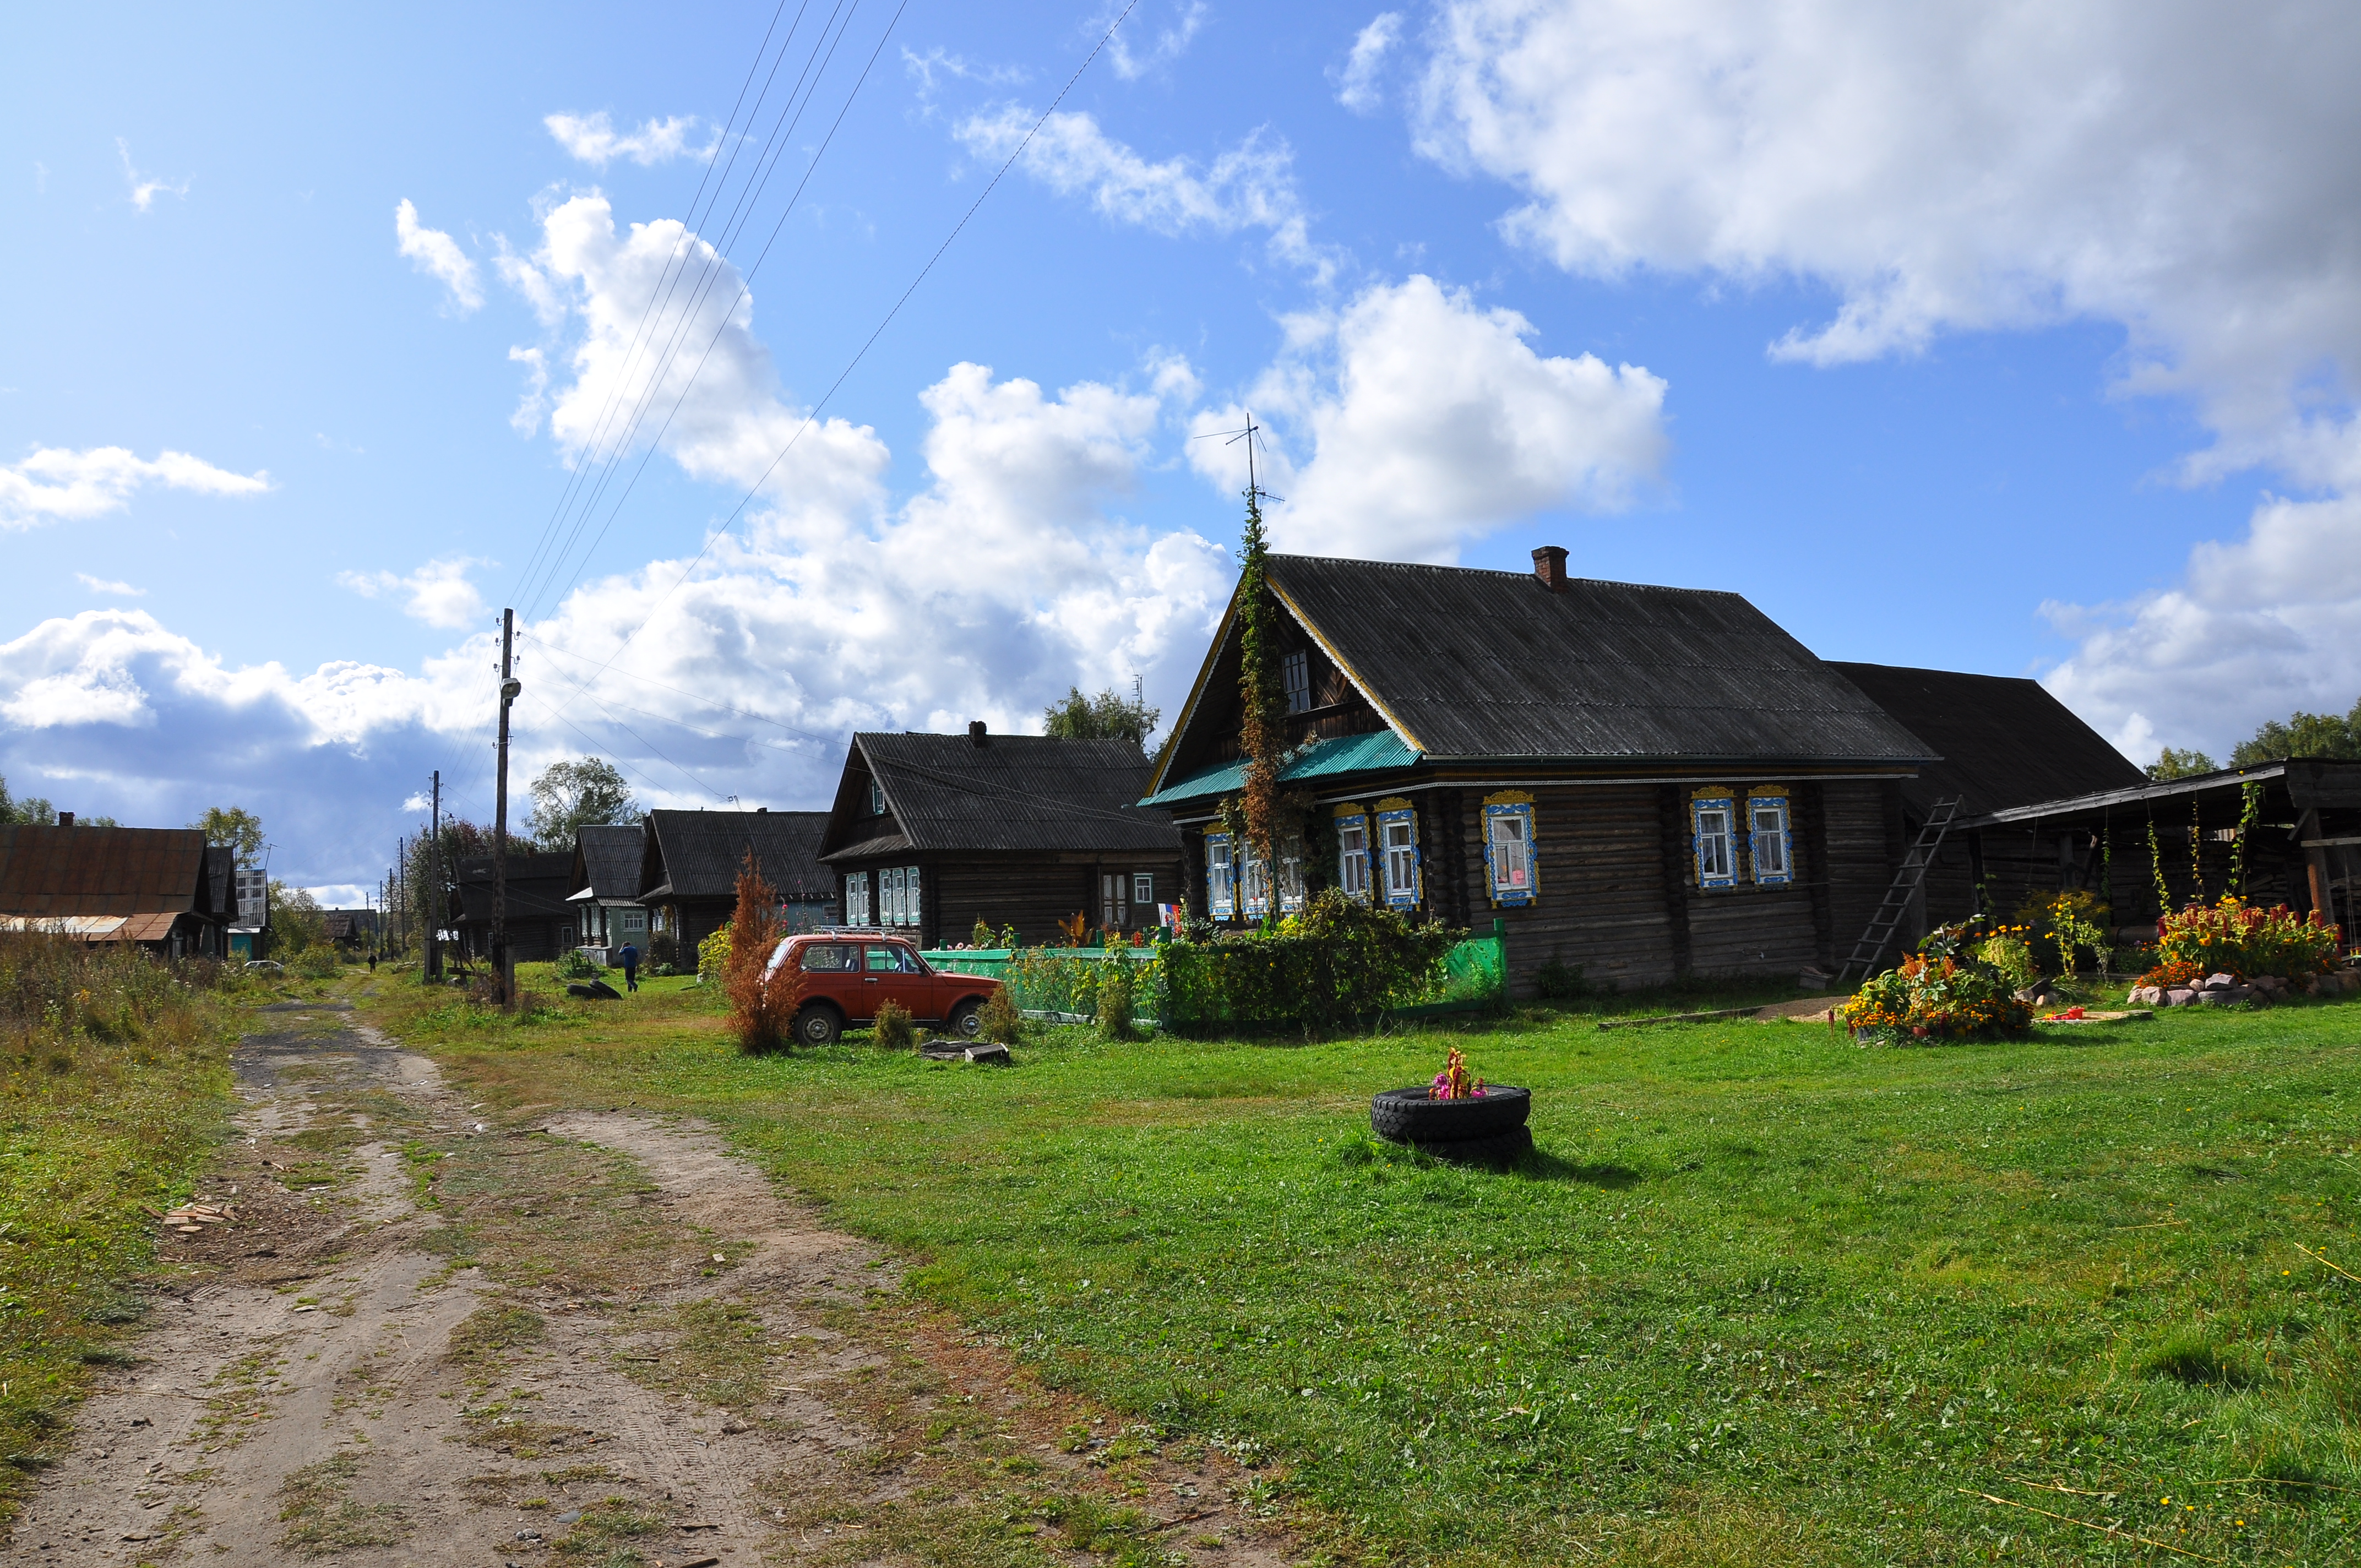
{"x":1252,"y":436}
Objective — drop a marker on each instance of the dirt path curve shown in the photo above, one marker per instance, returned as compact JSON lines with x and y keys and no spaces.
{"x":580,"y":1338}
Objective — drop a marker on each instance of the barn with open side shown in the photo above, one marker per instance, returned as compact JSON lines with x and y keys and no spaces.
{"x":1641,"y":783}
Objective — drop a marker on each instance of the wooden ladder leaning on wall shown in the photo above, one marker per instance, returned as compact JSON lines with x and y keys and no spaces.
{"x":1907,"y":884}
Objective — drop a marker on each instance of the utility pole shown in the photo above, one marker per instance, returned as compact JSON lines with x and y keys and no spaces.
{"x":434,"y":883}
{"x":506,"y":972}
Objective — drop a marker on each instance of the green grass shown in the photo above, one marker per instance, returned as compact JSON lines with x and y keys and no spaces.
{"x":113,"y":1091}
{"x":1761,"y":1294}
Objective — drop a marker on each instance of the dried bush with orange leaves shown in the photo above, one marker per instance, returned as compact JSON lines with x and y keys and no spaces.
{"x":763,"y":1001}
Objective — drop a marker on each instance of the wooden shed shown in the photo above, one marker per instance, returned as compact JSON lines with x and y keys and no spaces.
{"x":163,"y":888}
{"x":932,"y":833}
{"x":1641,"y":783}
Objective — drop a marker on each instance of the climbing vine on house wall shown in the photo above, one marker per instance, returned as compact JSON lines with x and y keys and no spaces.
{"x":1262,"y":704}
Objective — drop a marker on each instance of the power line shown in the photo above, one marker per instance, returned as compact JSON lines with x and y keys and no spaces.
{"x":574,"y":479}
{"x":731,"y":522}
{"x":783,"y":130}
{"x":745,"y":284}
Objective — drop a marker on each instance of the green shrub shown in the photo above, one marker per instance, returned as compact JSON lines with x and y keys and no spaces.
{"x":1563,"y":981}
{"x":1337,"y":960}
{"x":892,"y":1030}
{"x":319,"y":962}
{"x":713,"y":956}
{"x":1000,"y":1021}
{"x":575,"y":964}
{"x":1115,"y":1012}
{"x":1930,"y":1000}
{"x":2011,"y":960}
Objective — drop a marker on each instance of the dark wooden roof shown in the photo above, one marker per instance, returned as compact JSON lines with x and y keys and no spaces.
{"x":536,"y":886}
{"x":607,"y":859}
{"x":1013,"y":792}
{"x":2005,"y":740}
{"x":697,"y":854}
{"x":1467,"y":664}
{"x":108,"y":871}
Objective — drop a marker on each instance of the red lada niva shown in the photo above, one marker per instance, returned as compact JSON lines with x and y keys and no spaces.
{"x":849,"y":974}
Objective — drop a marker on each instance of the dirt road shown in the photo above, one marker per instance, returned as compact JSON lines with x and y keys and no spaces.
{"x":432,"y":1335}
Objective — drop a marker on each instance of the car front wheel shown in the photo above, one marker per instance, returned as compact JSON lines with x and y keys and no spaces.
{"x":966,"y":1020}
{"x":817,"y":1025}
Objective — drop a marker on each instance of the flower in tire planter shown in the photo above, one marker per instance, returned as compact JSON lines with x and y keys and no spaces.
{"x":1456,"y":1118}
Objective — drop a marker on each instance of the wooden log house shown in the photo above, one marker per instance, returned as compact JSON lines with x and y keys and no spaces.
{"x":931,"y":833}
{"x":689,"y":862}
{"x":1641,"y":783}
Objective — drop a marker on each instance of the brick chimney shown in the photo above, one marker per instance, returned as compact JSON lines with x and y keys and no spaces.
{"x":975,"y":731}
{"x":65,"y":819}
{"x":1549,"y":565}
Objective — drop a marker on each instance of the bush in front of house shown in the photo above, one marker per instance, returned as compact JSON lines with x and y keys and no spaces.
{"x":1000,"y":1021}
{"x":763,"y":1001}
{"x":320,"y":962}
{"x":892,"y":1030}
{"x":575,"y":964}
{"x":713,"y":956}
{"x":2240,"y":940}
{"x":1116,"y":1001}
{"x":1337,"y":960}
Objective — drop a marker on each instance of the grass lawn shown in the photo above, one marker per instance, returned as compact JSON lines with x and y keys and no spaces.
{"x":1761,"y":1296}
{"x":115,"y":1101}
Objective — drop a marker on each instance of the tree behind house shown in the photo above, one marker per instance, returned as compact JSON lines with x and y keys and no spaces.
{"x":2303,"y":735}
{"x":235,"y":827}
{"x":1106,"y":717}
{"x":588,"y":793}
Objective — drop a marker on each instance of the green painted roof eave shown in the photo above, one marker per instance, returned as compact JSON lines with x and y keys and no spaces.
{"x":1379,"y":753}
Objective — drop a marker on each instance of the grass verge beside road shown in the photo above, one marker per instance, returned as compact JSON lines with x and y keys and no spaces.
{"x":1762,"y":1294}
{"x":113,"y":1091}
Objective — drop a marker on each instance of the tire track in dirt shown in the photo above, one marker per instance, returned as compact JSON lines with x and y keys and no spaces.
{"x":587,"y":1337}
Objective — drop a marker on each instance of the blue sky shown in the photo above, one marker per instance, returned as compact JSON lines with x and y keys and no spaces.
{"x":1984,"y":341}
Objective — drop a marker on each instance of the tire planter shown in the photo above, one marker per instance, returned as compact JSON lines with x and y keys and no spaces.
{"x":1487,"y":1130}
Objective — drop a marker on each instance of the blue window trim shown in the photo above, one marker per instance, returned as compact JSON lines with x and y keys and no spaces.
{"x":1417,"y":870}
{"x":1227,"y":907}
{"x":1360,"y":819}
{"x":1786,"y":836}
{"x":1698,"y":805}
{"x":1513,"y":897}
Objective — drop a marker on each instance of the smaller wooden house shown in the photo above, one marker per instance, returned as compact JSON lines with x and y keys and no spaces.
{"x":604,"y":888}
{"x":164,"y":889}
{"x":689,"y":862}
{"x":932,"y":833}
{"x":540,"y":922}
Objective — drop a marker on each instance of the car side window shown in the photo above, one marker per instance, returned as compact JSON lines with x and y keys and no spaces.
{"x":881,"y":960}
{"x":827,"y":958}
{"x":909,"y":961}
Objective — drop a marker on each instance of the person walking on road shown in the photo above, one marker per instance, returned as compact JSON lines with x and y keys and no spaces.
{"x":631,"y":961}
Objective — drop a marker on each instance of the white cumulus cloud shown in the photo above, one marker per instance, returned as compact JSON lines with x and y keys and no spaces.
{"x":1356,"y":83}
{"x":437,"y":593}
{"x":594,"y":139}
{"x":438,"y":256}
{"x":1430,"y":422}
{"x":2182,"y":172}
{"x":56,"y":483}
{"x":1251,"y":186}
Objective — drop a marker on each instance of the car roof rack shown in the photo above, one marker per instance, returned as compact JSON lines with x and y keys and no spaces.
{"x":846,"y":931}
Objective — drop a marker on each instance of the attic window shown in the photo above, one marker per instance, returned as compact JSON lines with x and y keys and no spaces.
{"x":876,"y":798}
{"x":1295,"y":674}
